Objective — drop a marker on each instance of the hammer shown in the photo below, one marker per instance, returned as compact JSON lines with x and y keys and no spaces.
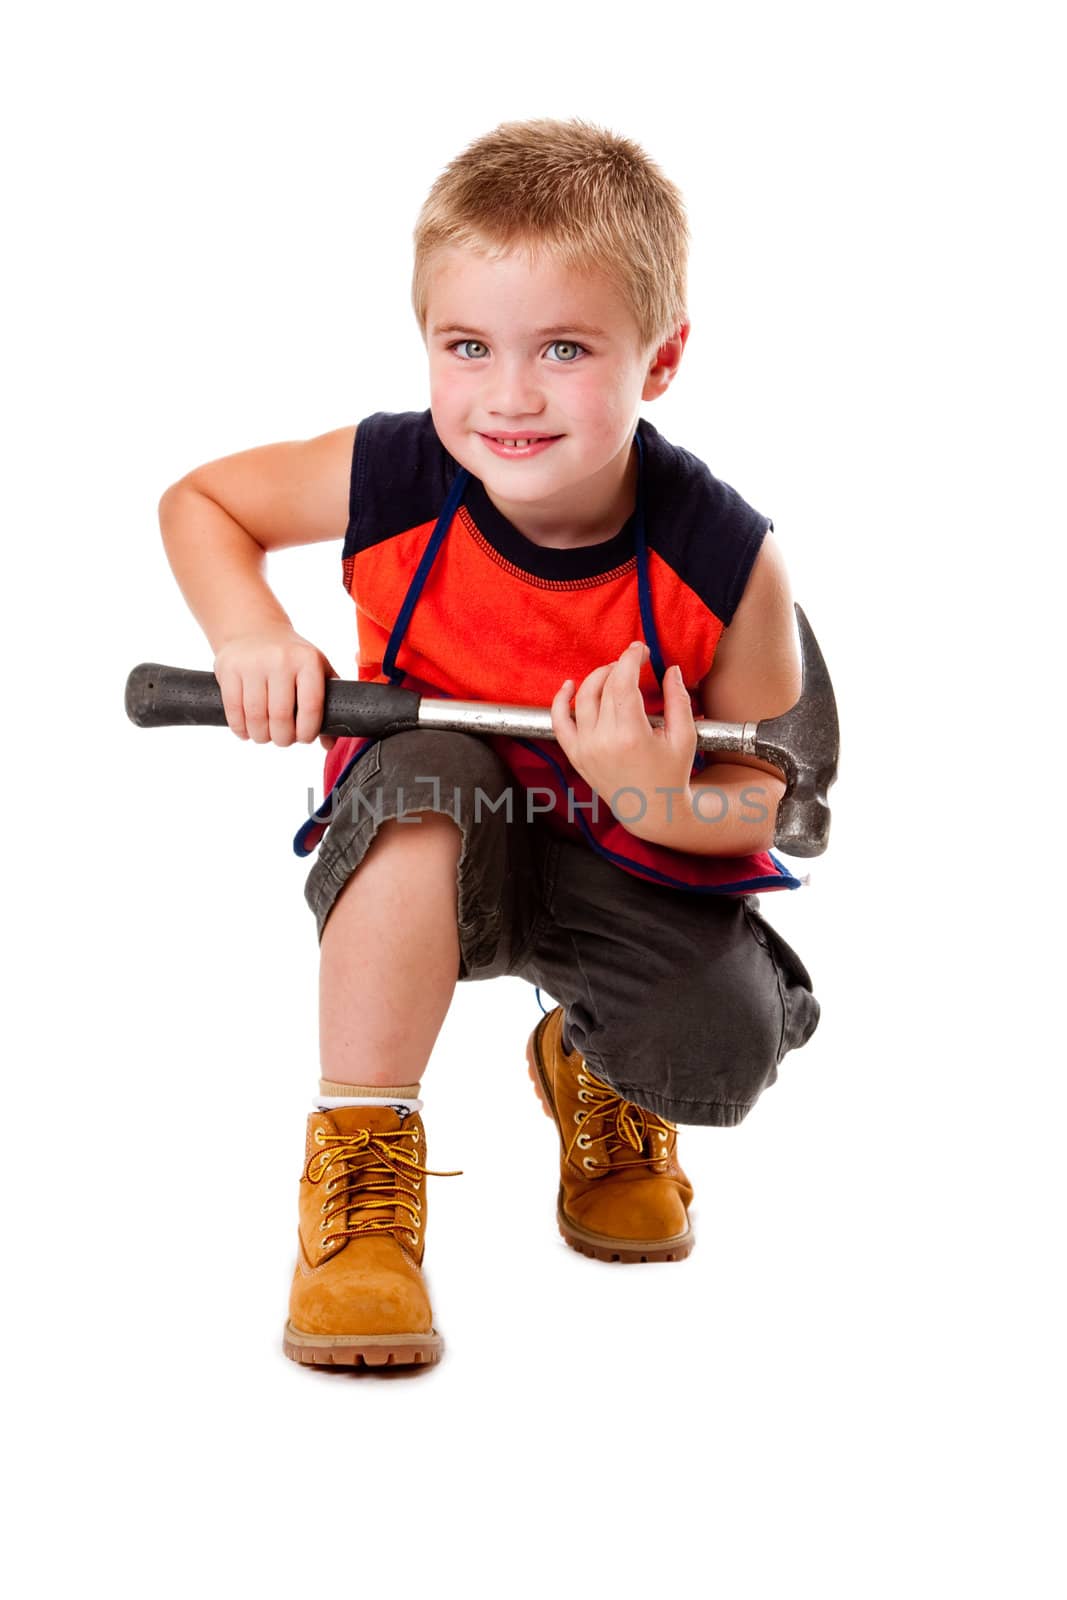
{"x":802,"y":743}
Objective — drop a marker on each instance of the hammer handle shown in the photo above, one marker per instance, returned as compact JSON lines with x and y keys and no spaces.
{"x":165,"y":697}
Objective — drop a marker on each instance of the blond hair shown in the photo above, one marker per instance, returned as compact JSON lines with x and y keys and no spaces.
{"x":570,"y":190}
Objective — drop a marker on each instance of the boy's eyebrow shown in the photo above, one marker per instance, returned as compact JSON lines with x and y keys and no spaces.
{"x":539,"y":333}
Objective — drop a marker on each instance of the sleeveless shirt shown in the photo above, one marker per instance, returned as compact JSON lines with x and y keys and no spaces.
{"x":453,"y":601}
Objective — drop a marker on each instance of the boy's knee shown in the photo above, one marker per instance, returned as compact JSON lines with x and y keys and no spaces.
{"x":450,"y":757}
{"x":707,"y":1050}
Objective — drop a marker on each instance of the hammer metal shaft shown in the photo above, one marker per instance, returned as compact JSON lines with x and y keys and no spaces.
{"x":535,"y":722}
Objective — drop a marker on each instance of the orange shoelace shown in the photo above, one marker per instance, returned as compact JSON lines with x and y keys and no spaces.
{"x":624,"y":1126}
{"x":367,"y":1179}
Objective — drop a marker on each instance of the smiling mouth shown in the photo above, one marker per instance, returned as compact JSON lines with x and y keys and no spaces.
{"x":520,"y":441}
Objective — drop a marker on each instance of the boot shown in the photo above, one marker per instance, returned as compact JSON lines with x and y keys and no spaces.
{"x":358,"y":1296}
{"x":622,"y":1194}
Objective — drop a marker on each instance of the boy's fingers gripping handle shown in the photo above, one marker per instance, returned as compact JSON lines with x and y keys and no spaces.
{"x":167,"y":697}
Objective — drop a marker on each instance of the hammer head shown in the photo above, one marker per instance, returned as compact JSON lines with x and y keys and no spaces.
{"x":803,"y":743}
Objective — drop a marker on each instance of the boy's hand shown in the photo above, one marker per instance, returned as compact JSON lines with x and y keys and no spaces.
{"x":263,"y":676}
{"x":610,"y":740}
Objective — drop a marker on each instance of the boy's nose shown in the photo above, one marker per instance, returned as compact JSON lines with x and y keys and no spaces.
{"x":513,"y":394}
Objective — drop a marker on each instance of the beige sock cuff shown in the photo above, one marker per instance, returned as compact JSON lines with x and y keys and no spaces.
{"x":369,"y":1091}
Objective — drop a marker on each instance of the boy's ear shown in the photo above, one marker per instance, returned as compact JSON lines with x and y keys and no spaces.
{"x":664,"y":363}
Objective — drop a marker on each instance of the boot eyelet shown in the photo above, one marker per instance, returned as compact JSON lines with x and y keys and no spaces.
{"x":582,"y":1078}
{"x":322,"y":1229}
{"x":663,"y":1135}
{"x":319,"y":1136}
{"x":579,"y":1116}
{"x":586,"y":1162}
{"x":324,"y":1206}
{"x":583,"y":1141}
{"x":582,"y":1095}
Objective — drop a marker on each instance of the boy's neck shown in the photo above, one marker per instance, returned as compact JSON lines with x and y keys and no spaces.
{"x":593,"y":514}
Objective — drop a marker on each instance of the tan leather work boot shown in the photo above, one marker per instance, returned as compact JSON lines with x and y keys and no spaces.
{"x":622,"y":1194}
{"x":358,"y":1296}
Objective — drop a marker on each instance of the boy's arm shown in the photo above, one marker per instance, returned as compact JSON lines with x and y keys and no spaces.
{"x":756,"y":674}
{"x":218,"y":523}
{"x":221,"y":519}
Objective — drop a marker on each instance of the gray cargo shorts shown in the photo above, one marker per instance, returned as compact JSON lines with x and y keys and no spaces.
{"x":683,"y":1003}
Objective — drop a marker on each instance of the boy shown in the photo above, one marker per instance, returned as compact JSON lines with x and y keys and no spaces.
{"x":528,"y":539}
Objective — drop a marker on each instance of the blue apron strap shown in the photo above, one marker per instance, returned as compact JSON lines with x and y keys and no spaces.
{"x":444,"y":522}
{"x":422,"y":571}
{"x":644,"y":588}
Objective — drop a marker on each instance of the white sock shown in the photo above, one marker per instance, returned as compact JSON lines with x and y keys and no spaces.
{"x":330,"y":1102}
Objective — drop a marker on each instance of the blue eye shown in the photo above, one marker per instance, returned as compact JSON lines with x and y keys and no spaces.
{"x":565,"y":344}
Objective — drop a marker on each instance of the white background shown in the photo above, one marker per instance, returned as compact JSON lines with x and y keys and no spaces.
{"x":852,"y":1387}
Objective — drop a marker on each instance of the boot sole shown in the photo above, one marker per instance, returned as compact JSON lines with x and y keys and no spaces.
{"x":598,"y":1246}
{"x":362,"y":1349}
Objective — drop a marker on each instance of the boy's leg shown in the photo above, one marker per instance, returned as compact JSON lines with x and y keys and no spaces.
{"x":679,"y":1009}
{"x":405,"y":908}
{"x":684,"y":1004}
{"x":389,"y":963}
{"x":389,"y":955}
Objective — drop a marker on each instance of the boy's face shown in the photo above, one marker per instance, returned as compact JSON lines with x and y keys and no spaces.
{"x":530,"y":348}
